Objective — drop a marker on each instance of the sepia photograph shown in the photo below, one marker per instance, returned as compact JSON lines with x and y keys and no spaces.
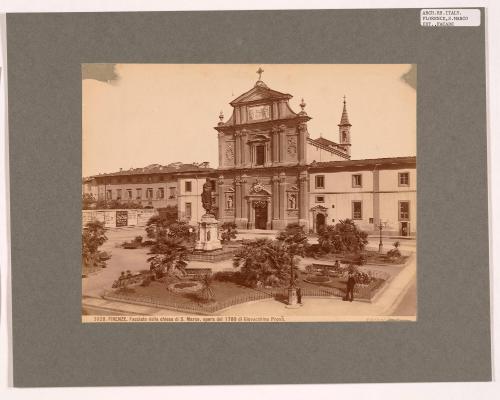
{"x":249,"y":193}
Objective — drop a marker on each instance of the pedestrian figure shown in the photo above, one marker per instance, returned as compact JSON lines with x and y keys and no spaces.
{"x":350,"y":287}
{"x":299,"y":295}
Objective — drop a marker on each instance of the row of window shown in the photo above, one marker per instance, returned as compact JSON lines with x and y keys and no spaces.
{"x":136,"y":179}
{"x":357,"y":180}
{"x":150,"y":194}
{"x":188,"y":187}
{"x":403,"y":210}
{"x":357,"y":209}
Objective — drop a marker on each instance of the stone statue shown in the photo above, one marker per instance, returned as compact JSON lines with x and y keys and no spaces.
{"x":206,"y":196}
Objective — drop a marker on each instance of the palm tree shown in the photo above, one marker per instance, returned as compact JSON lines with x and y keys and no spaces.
{"x":170,"y":258}
{"x":265,"y":261}
{"x":207,"y":292}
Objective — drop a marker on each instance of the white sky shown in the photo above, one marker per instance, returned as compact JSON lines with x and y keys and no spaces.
{"x":162,"y":113}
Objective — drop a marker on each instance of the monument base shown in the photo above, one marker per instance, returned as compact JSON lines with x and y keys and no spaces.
{"x":208,"y":234}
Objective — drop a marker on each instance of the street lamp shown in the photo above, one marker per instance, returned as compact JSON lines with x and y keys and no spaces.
{"x":381,"y":225}
{"x":292,"y":289}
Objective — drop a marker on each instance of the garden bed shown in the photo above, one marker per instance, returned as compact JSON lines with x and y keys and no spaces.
{"x":338,"y":284}
{"x":157,"y":294}
{"x":371,"y":257}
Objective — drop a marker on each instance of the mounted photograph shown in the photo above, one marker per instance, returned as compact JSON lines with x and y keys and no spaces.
{"x":235,"y":193}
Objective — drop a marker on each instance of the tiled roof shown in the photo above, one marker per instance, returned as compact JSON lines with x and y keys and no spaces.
{"x":161,"y":169}
{"x":325,"y":142}
{"x":365,"y":162}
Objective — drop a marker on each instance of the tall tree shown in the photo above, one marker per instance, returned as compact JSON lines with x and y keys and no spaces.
{"x":294,"y":237}
{"x":344,"y":236}
{"x":264,"y":261}
{"x":170,"y":258}
{"x":93,"y":237}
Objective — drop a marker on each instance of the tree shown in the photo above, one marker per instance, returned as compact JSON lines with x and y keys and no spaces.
{"x":207,"y":292}
{"x":264,"y":261}
{"x":157,"y":228}
{"x":180,"y":230}
{"x":88,"y":201}
{"x":93,"y":237}
{"x":170,"y":258}
{"x":170,"y":213}
{"x":228,"y":231}
{"x":344,"y":236}
{"x":294,"y":238}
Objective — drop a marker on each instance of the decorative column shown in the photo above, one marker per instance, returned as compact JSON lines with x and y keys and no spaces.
{"x":304,"y":199}
{"x":268,"y":161}
{"x":237,"y":201}
{"x":275,"y":199}
{"x":220,"y":193}
{"x":275,"y":144}
{"x":245,"y":152}
{"x":251,"y":216}
{"x":220,"y":136}
{"x":282,"y":146}
{"x":269,"y":211}
{"x":237,"y":149}
{"x":302,"y":142}
{"x":244,"y":203}
{"x":281,"y":223}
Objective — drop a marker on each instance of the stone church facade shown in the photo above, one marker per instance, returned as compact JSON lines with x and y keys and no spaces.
{"x":271,"y":173}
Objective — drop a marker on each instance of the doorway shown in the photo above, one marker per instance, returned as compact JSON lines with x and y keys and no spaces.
{"x":261,"y":217}
{"x":405,"y":229}
{"x":320,"y":222}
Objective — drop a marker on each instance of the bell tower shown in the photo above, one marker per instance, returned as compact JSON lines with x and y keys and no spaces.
{"x":345,"y":130}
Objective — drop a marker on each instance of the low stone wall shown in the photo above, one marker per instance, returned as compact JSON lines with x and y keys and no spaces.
{"x":118,"y":218}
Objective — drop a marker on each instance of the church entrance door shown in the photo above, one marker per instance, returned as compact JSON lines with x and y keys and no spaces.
{"x":261,"y":217}
{"x":320,"y":222}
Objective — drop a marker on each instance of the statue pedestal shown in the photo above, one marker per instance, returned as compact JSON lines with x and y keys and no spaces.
{"x":208,"y":230}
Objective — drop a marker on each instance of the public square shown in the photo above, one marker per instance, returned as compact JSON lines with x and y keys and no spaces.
{"x":397,"y":300}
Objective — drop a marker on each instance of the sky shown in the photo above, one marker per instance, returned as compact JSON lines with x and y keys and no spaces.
{"x":134,"y":115}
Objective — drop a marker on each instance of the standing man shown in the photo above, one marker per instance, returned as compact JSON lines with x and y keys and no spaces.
{"x":351,"y":282}
{"x":299,"y":295}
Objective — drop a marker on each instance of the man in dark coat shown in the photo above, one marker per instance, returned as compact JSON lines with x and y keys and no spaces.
{"x":351,"y":282}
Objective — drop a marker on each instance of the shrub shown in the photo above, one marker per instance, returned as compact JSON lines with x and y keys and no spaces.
{"x":228,"y":232}
{"x":93,"y":237}
{"x":394,"y":253}
{"x":362,"y":278}
{"x":146,"y":281}
{"x":344,"y":236}
{"x":314,"y":250}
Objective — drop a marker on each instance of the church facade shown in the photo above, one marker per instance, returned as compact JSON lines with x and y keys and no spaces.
{"x":271,"y":173}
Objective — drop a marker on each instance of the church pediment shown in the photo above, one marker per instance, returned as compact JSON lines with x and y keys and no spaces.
{"x":259,"y":93}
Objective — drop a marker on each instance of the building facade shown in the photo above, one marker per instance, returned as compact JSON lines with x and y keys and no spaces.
{"x":271,"y":173}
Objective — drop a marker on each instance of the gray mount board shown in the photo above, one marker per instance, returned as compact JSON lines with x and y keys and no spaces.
{"x":451,"y":339}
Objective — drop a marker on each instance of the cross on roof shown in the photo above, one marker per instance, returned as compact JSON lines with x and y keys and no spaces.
{"x":260,"y":71}
{"x":344,"y":98}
